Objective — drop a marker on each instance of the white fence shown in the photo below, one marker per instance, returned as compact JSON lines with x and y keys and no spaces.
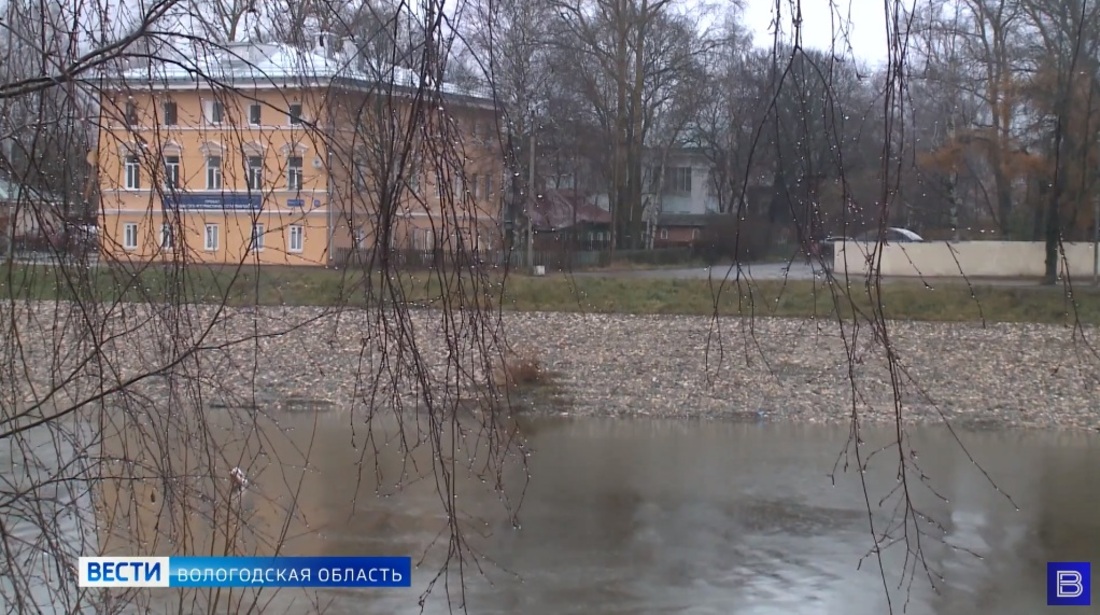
{"x":991,"y":259}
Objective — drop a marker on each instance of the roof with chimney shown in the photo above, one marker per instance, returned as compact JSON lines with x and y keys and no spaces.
{"x":556,"y":210}
{"x":278,"y":65}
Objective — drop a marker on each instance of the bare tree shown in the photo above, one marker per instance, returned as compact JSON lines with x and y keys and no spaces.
{"x":628,"y":56}
{"x":148,"y":380}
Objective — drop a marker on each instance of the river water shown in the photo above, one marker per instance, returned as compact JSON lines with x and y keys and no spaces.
{"x":646,"y":517}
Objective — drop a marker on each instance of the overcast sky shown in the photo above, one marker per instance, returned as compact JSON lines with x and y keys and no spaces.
{"x":822,"y":21}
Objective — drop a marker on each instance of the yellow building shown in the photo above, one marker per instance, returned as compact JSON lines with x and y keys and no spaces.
{"x":270,"y":154}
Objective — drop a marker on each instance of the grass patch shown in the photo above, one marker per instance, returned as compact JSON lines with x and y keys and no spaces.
{"x":908,"y":300}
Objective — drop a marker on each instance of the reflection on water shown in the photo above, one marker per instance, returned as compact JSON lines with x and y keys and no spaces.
{"x":45,"y":510}
{"x":629,"y":517}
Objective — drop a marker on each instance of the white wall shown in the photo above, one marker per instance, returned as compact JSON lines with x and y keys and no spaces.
{"x":993,"y":259}
{"x":700,"y":201}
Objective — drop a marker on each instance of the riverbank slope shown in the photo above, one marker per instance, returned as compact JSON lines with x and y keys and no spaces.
{"x":612,"y":365}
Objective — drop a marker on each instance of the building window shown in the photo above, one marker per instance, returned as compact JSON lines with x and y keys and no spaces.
{"x":213,"y":172}
{"x":255,"y":172}
{"x":167,"y":237}
{"x":694,"y":234}
{"x":360,"y":179}
{"x":488,"y":186}
{"x":664,"y":233}
{"x":210,"y":238}
{"x":678,"y":180}
{"x":294,"y":173}
{"x":131,"y":113}
{"x":213,"y":111}
{"x":133,"y":173}
{"x":129,"y":236}
{"x":474,"y":185}
{"x":171,"y":172}
{"x":295,"y":114}
{"x":171,"y":114}
{"x":255,"y":114}
{"x":424,"y":240}
{"x":257,"y":237}
{"x":297,"y":238}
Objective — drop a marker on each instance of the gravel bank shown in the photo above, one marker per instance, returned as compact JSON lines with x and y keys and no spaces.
{"x":605,"y":365}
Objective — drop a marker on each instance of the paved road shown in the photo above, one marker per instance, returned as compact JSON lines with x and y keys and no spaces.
{"x":796,"y":271}
{"x":757,"y":271}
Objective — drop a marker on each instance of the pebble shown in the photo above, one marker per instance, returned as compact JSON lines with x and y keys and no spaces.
{"x":605,"y":365}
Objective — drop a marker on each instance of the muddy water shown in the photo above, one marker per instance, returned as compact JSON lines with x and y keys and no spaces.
{"x":627,"y":517}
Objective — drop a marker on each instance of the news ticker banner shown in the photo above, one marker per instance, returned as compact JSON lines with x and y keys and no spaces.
{"x":212,"y":572}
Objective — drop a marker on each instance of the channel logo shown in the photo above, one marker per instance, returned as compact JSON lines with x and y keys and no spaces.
{"x":1069,"y":584}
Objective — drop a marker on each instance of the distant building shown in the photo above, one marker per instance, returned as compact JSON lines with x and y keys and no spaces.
{"x":680,"y":230}
{"x":684,"y":187}
{"x":564,"y":220}
{"x":36,"y":214}
{"x":287,"y":162}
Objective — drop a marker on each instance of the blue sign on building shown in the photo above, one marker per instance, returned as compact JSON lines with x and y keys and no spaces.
{"x":295,"y":203}
{"x":212,"y":201}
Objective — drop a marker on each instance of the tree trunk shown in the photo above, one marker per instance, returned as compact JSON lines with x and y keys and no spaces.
{"x":1053,"y":224}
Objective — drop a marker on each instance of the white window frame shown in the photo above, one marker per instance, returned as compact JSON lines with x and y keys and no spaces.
{"x":130,"y":236}
{"x":209,"y":107}
{"x":210,"y":238}
{"x":167,"y":236}
{"x":295,"y":119}
{"x":214,"y":173}
{"x":475,"y":183}
{"x":255,"y":114}
{"x":664,"y":233}
{"x":255,"y":174}
{"x":679,"y":180}
{"x":172,"y":172}
{"x":296,"y":232}
{"x":132,"y":171}
{"x":295,"y":174}
{"x":258,"y":232}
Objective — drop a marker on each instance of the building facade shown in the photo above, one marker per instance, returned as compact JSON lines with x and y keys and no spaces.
{"x":269,"y":154}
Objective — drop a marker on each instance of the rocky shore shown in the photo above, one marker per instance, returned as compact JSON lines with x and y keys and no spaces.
{"x":598,"y":365}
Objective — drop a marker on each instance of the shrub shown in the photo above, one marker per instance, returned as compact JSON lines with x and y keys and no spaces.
{"x":520,"y":371}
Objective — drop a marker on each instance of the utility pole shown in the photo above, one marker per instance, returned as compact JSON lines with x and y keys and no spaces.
{"x":531,"y":204}
{"x":1096,"y":243}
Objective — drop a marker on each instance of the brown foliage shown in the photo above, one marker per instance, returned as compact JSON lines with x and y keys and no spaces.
{"x":517,"y":371}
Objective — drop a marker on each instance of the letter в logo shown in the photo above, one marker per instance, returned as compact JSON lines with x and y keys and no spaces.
{"x":1069,"y":584}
